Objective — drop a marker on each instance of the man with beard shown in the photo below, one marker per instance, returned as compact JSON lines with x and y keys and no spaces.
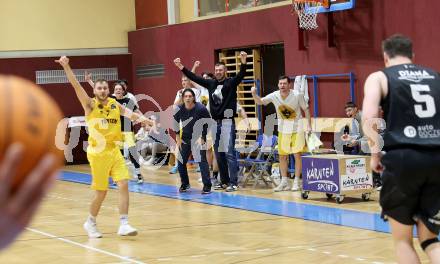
{"x":223,"y":108}
{"x":291,"y":138}
{"x":104,"y":124}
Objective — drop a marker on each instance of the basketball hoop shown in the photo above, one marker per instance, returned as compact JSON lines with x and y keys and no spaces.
{"x":307,"y":11}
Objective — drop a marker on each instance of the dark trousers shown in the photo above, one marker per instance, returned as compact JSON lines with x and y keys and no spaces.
{"x":185,"y":150}
{"x":224,"y":148}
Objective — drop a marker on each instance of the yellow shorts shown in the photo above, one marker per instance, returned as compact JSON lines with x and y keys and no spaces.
{"x":128,"y":138}
{"x":291,"y":143}
{"x":109,"y":163}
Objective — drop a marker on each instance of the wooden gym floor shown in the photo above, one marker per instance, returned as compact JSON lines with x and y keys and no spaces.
{"x":267,"y":227}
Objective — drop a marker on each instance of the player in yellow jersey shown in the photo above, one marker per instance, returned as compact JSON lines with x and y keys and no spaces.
{"x":103,"y":121}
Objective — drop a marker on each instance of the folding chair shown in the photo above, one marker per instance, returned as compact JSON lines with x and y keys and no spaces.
{"x":259,"y":167}
{"x":245,"y":164}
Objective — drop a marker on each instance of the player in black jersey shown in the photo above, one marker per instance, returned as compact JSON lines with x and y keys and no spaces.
{"x":410,"y":97}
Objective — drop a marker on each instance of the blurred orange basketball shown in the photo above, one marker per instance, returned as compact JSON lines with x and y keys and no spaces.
{"x":28,"y":116}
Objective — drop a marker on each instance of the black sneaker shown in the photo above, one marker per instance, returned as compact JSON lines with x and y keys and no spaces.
{"x":220,"y":186}
{"x":184,"y":188}
{"x":140,"y":179}
{"x":206,"y":190}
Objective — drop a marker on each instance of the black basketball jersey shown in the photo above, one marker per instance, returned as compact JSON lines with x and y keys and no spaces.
{"x":412,"y":107}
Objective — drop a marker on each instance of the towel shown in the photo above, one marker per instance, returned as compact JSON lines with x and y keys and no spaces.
{"x":313,"y":142}
{"x":300,"y":86}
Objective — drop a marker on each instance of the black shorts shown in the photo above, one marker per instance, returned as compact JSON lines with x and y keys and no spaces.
{"x":411,"y":187}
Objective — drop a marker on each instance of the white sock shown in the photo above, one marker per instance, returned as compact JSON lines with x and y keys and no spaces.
{"x":296,"y":181}
{"x":91,"y":219}
{"x":284,"y":180}
{"x":123,"y":219}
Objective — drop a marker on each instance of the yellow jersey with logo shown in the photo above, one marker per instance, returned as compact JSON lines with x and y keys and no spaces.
{"x":104,"y":126}
{"x":288,"y":110}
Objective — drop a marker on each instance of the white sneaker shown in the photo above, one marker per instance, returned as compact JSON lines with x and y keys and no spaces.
{"x":200,"y":179}
{"x":127,"y":230}
{"x":295,"y":186}
{"x":283,"y":186}
{"x":92,"y":230}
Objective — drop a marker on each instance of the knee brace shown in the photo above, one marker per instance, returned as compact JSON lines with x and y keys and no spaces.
{"x":428,"y":242}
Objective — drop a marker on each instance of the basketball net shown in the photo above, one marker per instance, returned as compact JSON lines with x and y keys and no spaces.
{"x":307,"y":11}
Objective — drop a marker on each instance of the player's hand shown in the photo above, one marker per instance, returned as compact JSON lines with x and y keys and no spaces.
{"x":63,"y":61}
{"x":196,"y":64}
{"x":375,"y":163}
{"x":354,"y":143}
{"x":243,"y":56}
{"x":254,"y":90}
{"x":308,"y":130}
{"x":18,"y":207}
{"x":178,"y":63}
{"x":178,"y":142}
{"x":345,"y":138}
{"x":88,"y":76}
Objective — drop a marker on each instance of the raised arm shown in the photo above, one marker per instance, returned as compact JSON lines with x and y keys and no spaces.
{"x":193,"y":70}
{"x":240,"y":76}
{"x":195,"y":66}
{"x":88,"y":77}
{"x":83,"y":97}
{"x":258,"y":99}
{"x":199,"y":80}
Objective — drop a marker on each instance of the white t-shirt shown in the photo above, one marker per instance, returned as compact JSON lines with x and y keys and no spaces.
{"x":131,"y":97}
{"x":288,"y":110}
{"x":202,"y":95}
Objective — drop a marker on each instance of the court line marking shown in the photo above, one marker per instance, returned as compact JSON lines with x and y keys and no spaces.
{"x":335,"y":216}
{"x":128,"y":259}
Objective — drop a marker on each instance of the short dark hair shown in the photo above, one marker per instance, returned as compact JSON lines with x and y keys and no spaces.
{"x":350,"y":105}
{"x":210,"y":75}
{"x":101,"y":81}
{"x":123,"y":81}
{"x":220,"y":63}
{"x":189,"y":90}
{"x":398,"y":45}
{"x":282,"y":77}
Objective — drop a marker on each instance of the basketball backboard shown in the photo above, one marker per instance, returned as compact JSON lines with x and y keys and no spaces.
{"x":336,"y":5}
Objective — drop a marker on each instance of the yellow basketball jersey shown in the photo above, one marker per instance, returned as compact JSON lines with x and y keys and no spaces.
{"x":104,"y":126}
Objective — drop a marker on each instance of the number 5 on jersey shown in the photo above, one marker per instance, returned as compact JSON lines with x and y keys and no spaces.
{"x":428,"y":100}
